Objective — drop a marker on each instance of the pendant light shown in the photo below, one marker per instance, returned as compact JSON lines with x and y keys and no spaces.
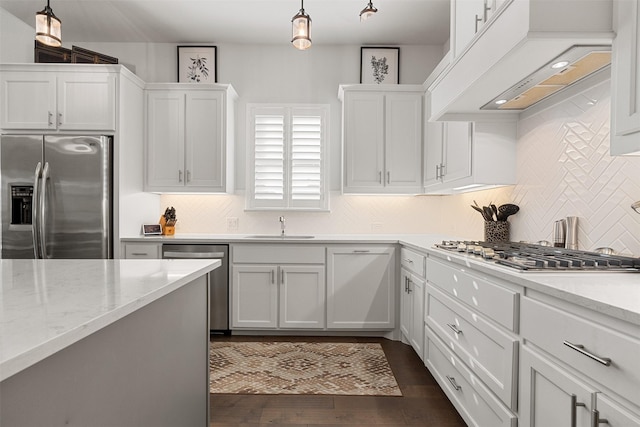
{"x":367,"y":12}
{"x":301,"y":29}
{"x":48,"y":27}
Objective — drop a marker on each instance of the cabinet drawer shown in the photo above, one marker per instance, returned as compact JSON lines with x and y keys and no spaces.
{"x":491,"y":352}
{"x":278,"y":254}
{"x":477,"y":405}
{"x":412,"y":261}
{"x":142,"y":251}
{"x":549,"y":328}
{"x":495,"y":301}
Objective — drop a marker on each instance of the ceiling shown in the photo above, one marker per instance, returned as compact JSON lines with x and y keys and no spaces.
{"x":398,"y":22}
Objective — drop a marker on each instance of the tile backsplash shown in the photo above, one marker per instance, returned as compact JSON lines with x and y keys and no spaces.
{"x":564,"y":168}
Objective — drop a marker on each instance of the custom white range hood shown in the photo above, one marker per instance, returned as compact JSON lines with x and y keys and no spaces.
{"x":509,"y":60}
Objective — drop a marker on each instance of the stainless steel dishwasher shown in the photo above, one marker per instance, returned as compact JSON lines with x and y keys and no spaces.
{"x":218,"y":279}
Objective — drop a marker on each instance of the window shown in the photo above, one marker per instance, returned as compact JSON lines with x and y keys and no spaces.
{"x":287,"y":157}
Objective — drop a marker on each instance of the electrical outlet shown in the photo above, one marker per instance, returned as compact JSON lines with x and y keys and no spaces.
{"x":232,"y":223}
{"x":376,"y":226}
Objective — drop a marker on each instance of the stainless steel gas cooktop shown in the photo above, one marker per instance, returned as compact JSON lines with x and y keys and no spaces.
{"x":530,"y":257}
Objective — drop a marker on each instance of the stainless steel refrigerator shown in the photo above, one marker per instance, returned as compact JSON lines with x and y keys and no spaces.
{"x":56,"y":196}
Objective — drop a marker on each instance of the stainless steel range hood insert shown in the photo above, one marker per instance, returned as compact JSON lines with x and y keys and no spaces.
{"x":566,"y":69}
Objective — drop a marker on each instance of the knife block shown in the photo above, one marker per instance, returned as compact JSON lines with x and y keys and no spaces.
{"x":168,"y":229}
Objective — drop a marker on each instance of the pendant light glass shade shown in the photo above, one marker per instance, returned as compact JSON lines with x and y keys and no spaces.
{"x":48,"y":29}
{"x":367,"y":12}
{"x":301,"y":29}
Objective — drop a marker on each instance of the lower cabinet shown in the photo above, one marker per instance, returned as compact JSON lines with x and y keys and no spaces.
{"x":412,"y":310}
{"x":277,"y":286}
{"x":577,"y":368}
{"x":278,"y":296}
{"x":361,"y":287}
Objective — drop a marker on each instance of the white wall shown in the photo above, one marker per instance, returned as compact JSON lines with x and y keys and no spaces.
{"x":16,"y":39}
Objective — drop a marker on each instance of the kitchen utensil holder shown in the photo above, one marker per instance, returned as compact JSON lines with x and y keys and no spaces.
{"x":496,"y":231}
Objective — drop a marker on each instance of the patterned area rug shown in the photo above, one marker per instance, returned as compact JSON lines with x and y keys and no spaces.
{"x":301,"y":368}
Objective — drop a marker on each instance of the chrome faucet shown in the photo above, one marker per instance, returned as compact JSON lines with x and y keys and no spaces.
{"x":282,"y":226}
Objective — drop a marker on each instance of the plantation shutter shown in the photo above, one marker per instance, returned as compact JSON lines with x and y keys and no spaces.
{"x":306,"y":158}
{"x":269,"y":157}
{"x":288,"y":168}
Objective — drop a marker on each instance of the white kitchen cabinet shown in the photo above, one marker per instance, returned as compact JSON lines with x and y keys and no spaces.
{"x":189,"y":139}
{"x":142,"y":250}
{"x":574,"y":361}
{"x":625,"y":79}
{"x":382,"y":139}
{"x":56,"y":98}
{"x":361,"y":287}
{"x":550,"y":396}
{"x":475,"y":317}
{"x":463,"y":156}
{"x":277,"y":287}
{"x":412,"y":285}
{"x":467,"y":17}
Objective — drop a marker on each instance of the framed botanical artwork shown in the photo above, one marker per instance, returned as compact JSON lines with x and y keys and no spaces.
{"x":197,"y":64}
{"x":379,"y":65}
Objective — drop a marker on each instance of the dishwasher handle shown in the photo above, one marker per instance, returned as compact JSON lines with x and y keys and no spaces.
{"x":191,"y":255}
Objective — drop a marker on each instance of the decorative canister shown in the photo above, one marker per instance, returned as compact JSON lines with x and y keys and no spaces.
{"x":496,"y":231}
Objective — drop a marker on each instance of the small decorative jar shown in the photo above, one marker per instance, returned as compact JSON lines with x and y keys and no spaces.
{"x":496,"y":231}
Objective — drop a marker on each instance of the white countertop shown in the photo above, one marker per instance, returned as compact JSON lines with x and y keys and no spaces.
{"x":47,"y":305}
{"x":614,"y":294}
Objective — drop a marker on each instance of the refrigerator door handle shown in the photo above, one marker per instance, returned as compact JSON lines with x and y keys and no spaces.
{"x":43,"y":210}
{"x":35,"y":215}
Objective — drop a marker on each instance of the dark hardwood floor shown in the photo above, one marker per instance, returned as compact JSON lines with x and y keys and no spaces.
{"x":422,"y":403}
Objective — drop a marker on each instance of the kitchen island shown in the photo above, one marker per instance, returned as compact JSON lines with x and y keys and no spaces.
{"x":104,"y":342}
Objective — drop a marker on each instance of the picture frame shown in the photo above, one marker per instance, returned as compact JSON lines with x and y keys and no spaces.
{"x":379,"y":65}
{"x":197,"y":64}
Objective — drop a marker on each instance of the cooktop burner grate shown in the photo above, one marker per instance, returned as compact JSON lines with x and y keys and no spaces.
{"x":530,"y":257}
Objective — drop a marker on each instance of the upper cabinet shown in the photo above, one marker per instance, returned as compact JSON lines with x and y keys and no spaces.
{"x":463,"y":156}
{"x":189,"y":138}
{"x":516,"y":40}
{"x":382,"y":139}
{"x":56,"y":98}
{"x":625,"y":79}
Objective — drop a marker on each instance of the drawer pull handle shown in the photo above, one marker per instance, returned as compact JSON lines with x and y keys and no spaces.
{"x":454,"y":383}
{"x":139,"y":253}
{"x":580,"y":349}
{"x":454,"y":328}
{"x":574,"y":406}
{"x":410,"y":261}
{"x":359,"y":251}
{"x":596,"y":420}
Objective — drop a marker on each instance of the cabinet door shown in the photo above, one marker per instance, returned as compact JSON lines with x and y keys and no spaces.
{"x":302,"y":296}
{"x":625,"y":79}
{"x":550,"y":396}
{"x":417,"y":314}
{"x":28,"y":100}
{"x":615,"y":414}
{"x":406,"y":305}
{"x":467,"y":16}
{"x":403,"y":142}
{"x":86,"y":101}
{"x":254,"y":300}
{"x":165,"y":140}
{"x":363,"y":122}
{"x":433,"y":153}
{"x":204,"y":150}
{"x":457,"y":155}
{"x":361,"y":288}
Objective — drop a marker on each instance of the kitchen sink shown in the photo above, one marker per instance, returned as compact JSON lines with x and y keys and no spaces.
{"x":279,"y":236}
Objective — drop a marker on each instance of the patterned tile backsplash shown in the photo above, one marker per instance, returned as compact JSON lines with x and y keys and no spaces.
{"x":564,"y":168}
